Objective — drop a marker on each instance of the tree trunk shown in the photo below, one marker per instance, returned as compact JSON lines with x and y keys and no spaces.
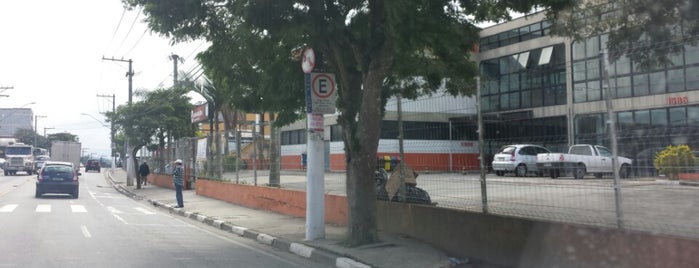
{"x":274,"y":154}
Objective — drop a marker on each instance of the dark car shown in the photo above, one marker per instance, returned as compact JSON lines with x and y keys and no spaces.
{"x":39,"y":162}
{"x":92,"y":164}
{"x":57,"y":177}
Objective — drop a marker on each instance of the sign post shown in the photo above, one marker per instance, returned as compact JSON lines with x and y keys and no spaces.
{"x":320,"y":99}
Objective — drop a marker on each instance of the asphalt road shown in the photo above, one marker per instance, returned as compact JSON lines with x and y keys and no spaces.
{"x":103,"y":228}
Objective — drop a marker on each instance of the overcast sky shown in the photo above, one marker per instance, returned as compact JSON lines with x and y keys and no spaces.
{"x":51,"y":53}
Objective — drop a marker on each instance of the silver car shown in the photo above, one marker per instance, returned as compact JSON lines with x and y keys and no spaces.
{"x":517,"y":158}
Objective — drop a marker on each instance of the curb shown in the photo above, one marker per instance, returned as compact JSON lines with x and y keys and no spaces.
{"x":299,"y":249}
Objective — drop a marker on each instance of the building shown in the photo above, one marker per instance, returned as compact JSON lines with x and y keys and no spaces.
{"x":549,"y":90}
{"x":13,"y":119}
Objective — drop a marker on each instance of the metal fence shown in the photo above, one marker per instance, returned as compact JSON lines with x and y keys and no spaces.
{"x":647,"y":201}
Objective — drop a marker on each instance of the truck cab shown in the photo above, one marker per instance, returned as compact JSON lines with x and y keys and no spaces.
{"x":18,"y":157}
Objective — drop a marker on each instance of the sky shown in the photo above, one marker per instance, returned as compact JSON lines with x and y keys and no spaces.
{"x":51,"y":54}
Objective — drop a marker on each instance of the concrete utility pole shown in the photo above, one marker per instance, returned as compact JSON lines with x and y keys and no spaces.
{"x":36,"y":130}
{"x":175,"y":59}
{"x":129,"y":165}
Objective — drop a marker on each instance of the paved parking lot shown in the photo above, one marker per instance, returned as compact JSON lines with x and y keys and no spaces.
{"x":649,"y":204}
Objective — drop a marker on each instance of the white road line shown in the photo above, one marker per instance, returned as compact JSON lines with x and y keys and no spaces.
{"x":120,"y":219}
{"x":144,"y":211}
{"x":113,"y":210}
{"x":86,"y":233}
{"x":8,"y":208}
{"x":78,"y":209}
{"x":43,"y":208}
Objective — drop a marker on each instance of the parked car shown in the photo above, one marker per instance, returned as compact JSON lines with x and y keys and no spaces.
{"x":57,"y":177}
{"x":39,"y":162}
{"x":93,"y":164}
{"x":517,"y":158}
{"x":580,"y":160}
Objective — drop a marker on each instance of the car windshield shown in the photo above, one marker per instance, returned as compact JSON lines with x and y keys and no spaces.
{"x":507,"y":150}
{"x":62,"y":171}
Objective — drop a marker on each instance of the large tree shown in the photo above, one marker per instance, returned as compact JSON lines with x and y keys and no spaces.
{"x":372,"y":46}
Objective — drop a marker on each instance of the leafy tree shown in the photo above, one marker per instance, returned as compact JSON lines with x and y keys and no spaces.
{"x":62,"y":136}
{"x":649,"y":32}
{"x":159,"y":111}
{"x":376,"y":48}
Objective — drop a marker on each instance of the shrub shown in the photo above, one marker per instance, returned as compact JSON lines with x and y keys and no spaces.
{"x":674,"y":160}
{"x":229,"y":163}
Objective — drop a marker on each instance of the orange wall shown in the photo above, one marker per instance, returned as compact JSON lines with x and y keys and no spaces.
{"x":270,"y":198}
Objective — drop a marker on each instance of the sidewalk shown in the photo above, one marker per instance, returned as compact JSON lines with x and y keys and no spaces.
{"x":288,"y":233}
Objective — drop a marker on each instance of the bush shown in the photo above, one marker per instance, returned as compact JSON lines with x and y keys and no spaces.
{"x":674,"y":160}
{"x":229,"y":163}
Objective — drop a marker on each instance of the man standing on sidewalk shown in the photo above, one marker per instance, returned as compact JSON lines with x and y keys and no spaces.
{"x":144,"y":170}
{"x":178,"y":181}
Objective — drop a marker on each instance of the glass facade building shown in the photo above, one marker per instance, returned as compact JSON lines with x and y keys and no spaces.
{"x":528,"y":98}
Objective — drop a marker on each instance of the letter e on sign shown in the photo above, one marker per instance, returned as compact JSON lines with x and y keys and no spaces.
{"x":323,"y":93}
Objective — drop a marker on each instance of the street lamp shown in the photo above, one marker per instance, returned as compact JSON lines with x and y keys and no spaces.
{"x":46,"y":129}
{"x":36,"y":130}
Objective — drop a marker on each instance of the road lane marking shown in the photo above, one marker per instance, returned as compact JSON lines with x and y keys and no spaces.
{"x":86,"y":233}
{"x":78,"y":209}
{"x":8,"y":208}
{"x":144,"y":211}
{"x":120,"y":219}
{"x":43,"y":208}
{"x":113,"y":210}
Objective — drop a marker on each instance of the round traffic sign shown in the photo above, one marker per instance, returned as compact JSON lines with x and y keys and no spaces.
{"x":308,"y":60}
{"x":323,"y":85}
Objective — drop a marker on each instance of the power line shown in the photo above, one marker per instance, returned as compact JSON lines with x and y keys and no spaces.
{"x":129,"y":32}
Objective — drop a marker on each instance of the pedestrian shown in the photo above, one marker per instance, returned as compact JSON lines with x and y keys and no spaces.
{"x":144,"y":170}
{"x":178,"y":181}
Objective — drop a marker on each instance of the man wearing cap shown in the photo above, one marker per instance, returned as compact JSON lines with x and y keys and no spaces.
{"x":178,"y":181}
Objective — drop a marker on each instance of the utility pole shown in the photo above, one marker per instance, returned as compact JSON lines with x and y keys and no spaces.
{"x":112,"y":145}
{"x":36,"y":130}
{"x":129,"y":164}
{"x":175,"y":59}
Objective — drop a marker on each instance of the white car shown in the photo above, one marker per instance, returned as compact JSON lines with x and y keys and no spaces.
{"x":517,"y":158}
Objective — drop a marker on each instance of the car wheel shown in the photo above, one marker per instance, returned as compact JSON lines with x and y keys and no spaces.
{"x":579,"y":172}
{"x":6,"y":172}
{"x":521,"y":170}
{"x":624,"y":171}
{"x":499,"y":173}
{"x":37,"y":194}
{"x":75,"y":193}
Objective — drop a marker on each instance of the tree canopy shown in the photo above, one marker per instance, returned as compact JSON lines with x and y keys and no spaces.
{"x":376,"y":48}
{"x":649,"y":32}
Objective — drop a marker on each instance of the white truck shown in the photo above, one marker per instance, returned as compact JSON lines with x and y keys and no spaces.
{"x":66,"y":151}
{"x":18,"y":157}
{"x":580,"y":160}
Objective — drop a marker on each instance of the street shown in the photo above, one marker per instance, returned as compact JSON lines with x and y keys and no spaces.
{"x":103,"y":228}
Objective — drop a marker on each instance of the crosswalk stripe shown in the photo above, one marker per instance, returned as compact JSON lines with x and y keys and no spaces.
{"x":78,"y":208}
{"x":8,"y":208}
{"x":43,"y":208}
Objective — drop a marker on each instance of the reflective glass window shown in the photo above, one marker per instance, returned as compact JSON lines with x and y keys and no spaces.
{"x":675,"y":80}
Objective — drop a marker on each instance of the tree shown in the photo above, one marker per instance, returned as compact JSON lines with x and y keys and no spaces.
{"x":374,"y":47}
{"x":158,"y":112}
{"x":649,"y":32}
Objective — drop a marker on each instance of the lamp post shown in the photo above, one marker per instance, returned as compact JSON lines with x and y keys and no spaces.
{"x":46,"y":129}
{"x":36,"y":130}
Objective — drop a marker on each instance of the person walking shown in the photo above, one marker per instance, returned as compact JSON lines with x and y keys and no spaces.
{"x":144,"y":170}
{"x":178,"y":181}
